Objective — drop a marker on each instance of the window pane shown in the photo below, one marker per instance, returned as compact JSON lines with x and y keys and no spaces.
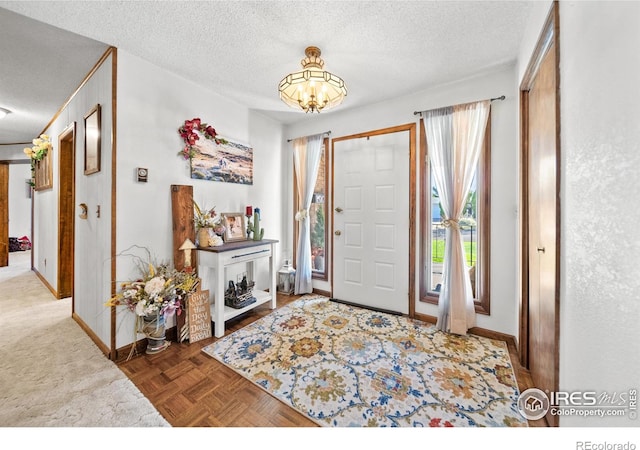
{"x":437,"y":239}
{"x":475,"y":227}
{"x":468,"y":228}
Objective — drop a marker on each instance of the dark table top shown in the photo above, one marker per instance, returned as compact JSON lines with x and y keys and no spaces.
{"x":228,"y":246}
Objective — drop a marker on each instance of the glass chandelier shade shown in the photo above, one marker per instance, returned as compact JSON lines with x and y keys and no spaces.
{"x":312,"y":89}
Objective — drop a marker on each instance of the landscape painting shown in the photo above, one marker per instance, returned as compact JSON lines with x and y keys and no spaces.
{"x":228,"y":163}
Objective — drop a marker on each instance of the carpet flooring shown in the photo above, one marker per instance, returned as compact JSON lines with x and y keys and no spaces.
{"x":52,"y":374}
{"x":345,"y":366}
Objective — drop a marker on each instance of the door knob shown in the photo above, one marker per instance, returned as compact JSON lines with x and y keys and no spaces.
{"x":338,"y":209}
{"x":338,"y":232}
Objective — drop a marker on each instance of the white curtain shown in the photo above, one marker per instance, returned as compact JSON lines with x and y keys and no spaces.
{"x":307,"y":152}
{"x":454,"y":140}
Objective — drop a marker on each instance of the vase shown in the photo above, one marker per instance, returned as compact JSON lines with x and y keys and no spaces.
{"x":204,"y":236}
{"x":154,"y":330}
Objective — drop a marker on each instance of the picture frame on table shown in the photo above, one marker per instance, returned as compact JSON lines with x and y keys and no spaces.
{"x":235,"y":227}
{"x":92,"y":124}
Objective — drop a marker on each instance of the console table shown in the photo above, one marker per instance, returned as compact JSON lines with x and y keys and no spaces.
{"x":212,"y":265}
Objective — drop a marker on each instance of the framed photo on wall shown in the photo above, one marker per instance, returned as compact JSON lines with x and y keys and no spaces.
{"x":92,"y":123}
{"x":229,"y":162}
{"x":235,"y":229}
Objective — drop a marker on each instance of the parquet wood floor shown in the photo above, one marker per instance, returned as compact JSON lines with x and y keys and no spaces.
{"x":191,"y":389}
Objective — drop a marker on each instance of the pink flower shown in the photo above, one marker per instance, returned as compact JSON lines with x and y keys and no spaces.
{"x":171,"y":308}
{"x":210,"y":131}
{"x":189,"y":133}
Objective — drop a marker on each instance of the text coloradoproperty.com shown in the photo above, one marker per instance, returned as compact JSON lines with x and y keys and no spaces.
{"x":587,"y":412}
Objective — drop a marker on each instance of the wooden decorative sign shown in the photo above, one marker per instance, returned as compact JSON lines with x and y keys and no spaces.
{"x":199,"y":316}
{"x":183,"y":227}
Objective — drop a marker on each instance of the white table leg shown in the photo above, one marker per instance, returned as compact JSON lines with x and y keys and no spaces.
{"x":219,"y":300}
{"x":272,"y":276}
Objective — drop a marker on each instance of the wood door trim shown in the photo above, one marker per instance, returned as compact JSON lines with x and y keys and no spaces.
{"x":549,"y":35}
{"x":411,"y":128}
{"x":67,"y":135}
{"x":113,"y":353}
{"x":4,"y":215}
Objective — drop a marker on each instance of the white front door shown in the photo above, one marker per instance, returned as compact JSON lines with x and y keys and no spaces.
{"x":371,"y":221}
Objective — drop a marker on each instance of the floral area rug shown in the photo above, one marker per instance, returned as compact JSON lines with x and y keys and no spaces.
{"x":346,"y":366}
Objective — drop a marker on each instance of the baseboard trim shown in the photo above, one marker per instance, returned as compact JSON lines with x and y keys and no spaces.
{"x":122,"y":353}
{"x":425,"y":318}
{"x":321,"y":292}
{"x":45,"y":282}
{"x":490,"y":334}
{"x":482,"y":332}
{"x":96,"y":340}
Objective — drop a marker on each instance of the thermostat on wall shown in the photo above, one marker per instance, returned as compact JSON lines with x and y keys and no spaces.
{"x":141,"y":173}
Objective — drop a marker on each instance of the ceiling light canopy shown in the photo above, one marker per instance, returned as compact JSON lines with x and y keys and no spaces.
{"x":4,"y":112}
{"x":312,"y":89}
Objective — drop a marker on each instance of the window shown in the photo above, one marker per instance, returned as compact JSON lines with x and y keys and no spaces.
{"x":317,"y":216}
{"x":474,"y":225}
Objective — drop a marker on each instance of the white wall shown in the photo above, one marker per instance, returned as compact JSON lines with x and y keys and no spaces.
{"x":503,"y":171}
{"x":535,"y":23}
{"x":92,"y":236}
{"x":152,"y":105}
{"x":600,"y":130}
{"x":600,"y":156}
{"x":19,"y":200}
{"x":13,"y":152}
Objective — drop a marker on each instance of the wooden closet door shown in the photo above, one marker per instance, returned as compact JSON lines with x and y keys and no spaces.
{"x":543,"y":227}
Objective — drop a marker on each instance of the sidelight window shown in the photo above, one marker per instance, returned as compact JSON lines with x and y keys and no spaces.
{"x":474,"y":226}
{"x":317,"y":219}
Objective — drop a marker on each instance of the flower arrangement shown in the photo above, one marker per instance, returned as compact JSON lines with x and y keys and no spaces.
{"x":41,"y":146}
{"x":189,"y":133}
{"x":160,"y":291}
{"x":205,"y":218}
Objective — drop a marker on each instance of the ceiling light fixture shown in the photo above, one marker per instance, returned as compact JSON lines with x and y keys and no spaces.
{"x":312,"y":89}
{"x":4,"y":112}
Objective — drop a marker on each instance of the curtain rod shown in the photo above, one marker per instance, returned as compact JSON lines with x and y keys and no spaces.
{"x":415,"y":113}
{"x":325,"y":132}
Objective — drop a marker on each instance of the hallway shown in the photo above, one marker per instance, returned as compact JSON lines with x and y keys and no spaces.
{"x":52,"y":374}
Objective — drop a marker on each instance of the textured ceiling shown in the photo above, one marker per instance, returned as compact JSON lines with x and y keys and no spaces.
{"x":242,"y":49}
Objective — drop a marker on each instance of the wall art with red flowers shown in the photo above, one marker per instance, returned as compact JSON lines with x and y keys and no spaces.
{"x":213,"y":157}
